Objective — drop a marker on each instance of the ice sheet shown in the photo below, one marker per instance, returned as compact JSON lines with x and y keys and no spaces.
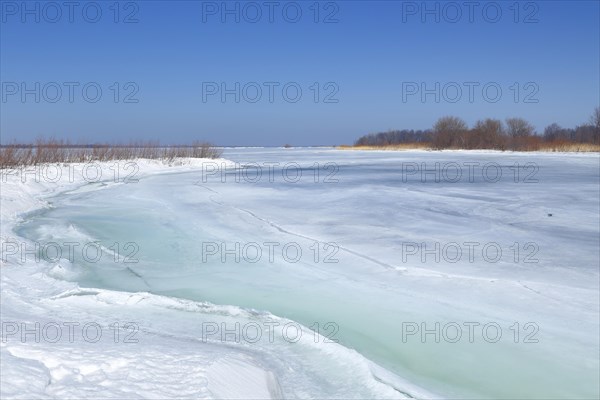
{"x":372,"y":294}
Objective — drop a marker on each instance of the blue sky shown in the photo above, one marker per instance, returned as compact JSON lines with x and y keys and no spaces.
{"x":361,"y":72}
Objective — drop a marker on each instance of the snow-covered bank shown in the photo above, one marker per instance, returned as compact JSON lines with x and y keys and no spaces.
{"x":62,"y":341}
{"x":24,"y":188}
{"x":521,"y":325}
{"x":43,"y":355}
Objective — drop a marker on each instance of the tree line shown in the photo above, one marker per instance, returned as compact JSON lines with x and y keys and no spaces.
{"x":512,"y":134}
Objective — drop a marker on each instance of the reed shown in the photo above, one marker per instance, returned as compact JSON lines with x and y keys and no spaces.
{"x":45,"y":151}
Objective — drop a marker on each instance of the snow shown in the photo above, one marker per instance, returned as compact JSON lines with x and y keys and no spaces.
{"x":78,"y":351}
{"x":173,"y":298}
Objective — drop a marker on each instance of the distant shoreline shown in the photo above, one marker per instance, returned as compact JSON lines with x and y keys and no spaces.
{"x":549,"y":148}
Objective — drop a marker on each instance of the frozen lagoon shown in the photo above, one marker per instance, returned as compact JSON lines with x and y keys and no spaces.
{"x":380,"y":235}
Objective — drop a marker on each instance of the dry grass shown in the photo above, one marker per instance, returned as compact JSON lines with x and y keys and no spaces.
{"x":567,"y":147}
{"x":55,"y":151}
{"x":396,"y":147}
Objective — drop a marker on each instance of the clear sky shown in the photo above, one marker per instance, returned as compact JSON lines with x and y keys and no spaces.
{"x":361,"y":67}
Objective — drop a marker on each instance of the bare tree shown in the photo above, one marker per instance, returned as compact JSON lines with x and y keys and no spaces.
{"x":518,"y":127}
{"x":555,"y":132}
{"x":595,"y":118}
{"x":520,"y":134}
{"x":449,"y":132}
{"x":488,"y":134}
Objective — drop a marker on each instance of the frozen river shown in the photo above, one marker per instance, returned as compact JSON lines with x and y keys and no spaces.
{"x":452,"y":274}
